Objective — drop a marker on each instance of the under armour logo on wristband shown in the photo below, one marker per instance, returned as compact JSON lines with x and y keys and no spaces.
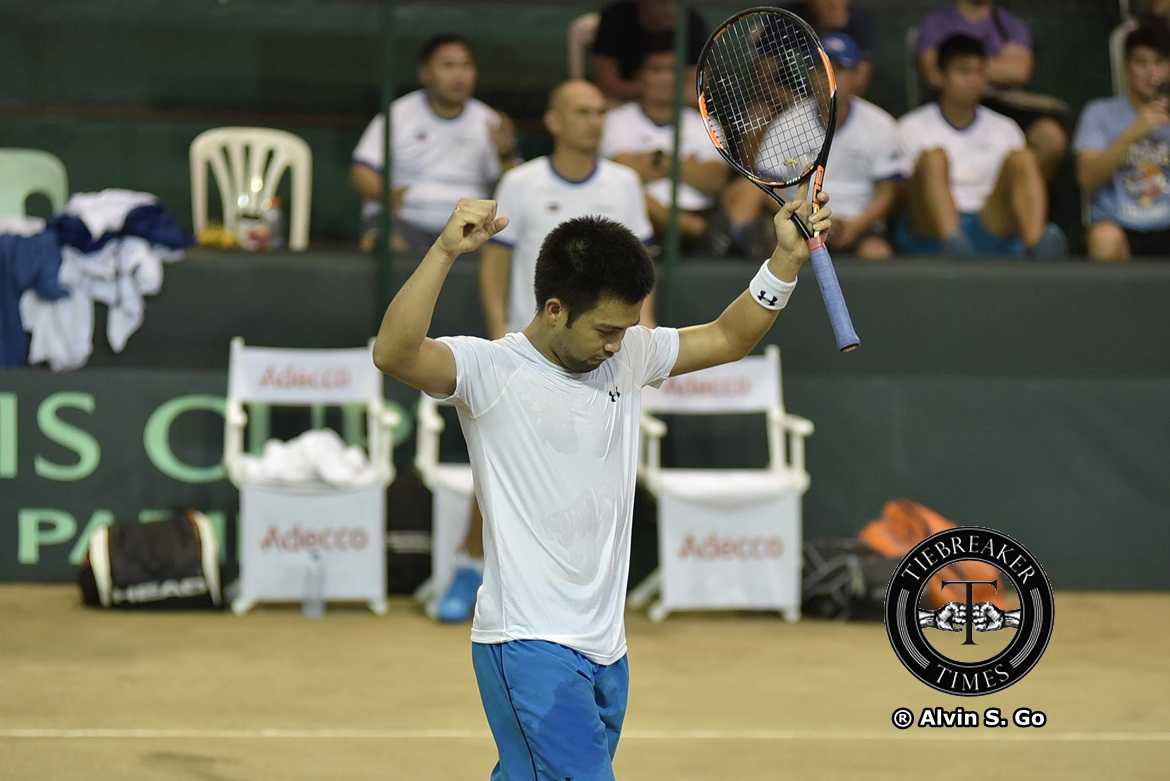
{"x":769,"y":301}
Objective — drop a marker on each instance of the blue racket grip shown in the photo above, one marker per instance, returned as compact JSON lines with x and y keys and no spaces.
{"x":831,"y":292}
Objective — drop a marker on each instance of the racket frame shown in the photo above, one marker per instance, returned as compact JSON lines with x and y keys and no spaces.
{"x":844,"y":333}
{"x":816,"y":171}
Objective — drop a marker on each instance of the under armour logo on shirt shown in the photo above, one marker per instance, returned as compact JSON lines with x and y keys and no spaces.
{"x":614,"y":395}
{"x":769,"y":301}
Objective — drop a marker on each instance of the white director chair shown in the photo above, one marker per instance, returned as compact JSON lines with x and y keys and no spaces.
{"x":451,"y":487}
{"x":727,"y":538}
{"x":281,"y":525}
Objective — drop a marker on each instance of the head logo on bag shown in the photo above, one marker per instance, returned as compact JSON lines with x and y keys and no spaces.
{"x":996,"y":620}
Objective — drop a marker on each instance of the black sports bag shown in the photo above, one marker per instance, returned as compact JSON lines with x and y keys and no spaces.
{"x":169,"y":564}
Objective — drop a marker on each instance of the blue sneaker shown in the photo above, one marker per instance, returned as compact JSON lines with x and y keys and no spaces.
{"x":458,"y":604}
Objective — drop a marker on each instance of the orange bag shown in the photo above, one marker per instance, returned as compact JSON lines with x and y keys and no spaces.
{"x":903,"y":525}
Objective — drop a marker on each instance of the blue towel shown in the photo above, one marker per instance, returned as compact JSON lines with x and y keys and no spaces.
{"x":25,"y":262}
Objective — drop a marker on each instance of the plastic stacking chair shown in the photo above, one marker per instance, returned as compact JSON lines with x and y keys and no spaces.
{"x":24,"y":172}
{"x":248,"y":163}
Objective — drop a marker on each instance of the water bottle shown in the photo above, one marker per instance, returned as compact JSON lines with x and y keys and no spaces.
{"x":273,"y":219}
{"x":313,"y":605}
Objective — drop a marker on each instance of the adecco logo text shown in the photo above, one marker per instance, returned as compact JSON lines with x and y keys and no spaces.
{"x":715,"y":547}
{"x":292,"y":377}
{"x":345,"y":538}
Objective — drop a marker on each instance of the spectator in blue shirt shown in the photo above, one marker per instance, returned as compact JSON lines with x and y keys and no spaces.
{"x":1123,"y":155}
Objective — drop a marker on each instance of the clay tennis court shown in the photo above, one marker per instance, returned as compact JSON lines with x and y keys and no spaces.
{"x":89,"y":694}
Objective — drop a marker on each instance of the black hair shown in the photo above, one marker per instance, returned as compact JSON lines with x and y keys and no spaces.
{"x":432,"y":45}
{"x":959,"y":46}
{"x":587,"y":257}
{"x":655,"y":46}
{"x":1149,"y":37}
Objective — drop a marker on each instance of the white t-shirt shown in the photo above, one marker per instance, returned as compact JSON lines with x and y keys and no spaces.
{"x":437,"y":160}
{"x":554,"y":456}
{"x":628,"y":129}
{"x":536,"y":199}
{"x":976,"y":152}
{"x":864,"y":151}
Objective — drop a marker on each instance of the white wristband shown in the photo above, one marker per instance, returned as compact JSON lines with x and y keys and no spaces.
{"x":770,"y":292}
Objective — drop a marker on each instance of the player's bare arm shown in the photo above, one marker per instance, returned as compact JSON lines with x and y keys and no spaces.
{"x":402,"y":348}
{"x":741,"y":326}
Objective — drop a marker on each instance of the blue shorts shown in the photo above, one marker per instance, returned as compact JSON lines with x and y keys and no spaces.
{"x":555,"y":715}
{"x":982,"y":240}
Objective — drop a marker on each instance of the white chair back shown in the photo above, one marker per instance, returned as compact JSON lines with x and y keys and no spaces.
{"x":302,"y":378}
{"x":750,"y":385}
{"x":582,"y":33}
{"x":306,"y":378}
{"x":248,"y":163}
{"x":1117,"y":54}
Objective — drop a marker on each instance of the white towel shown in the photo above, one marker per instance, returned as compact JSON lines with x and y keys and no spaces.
{"x":318,"y":456}
{"x":105,"y":211}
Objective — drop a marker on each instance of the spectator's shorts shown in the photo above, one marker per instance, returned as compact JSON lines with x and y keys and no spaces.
{"x":982,"y":240}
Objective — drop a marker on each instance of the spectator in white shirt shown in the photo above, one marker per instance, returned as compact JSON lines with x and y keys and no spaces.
{"x":640,"y":134}
{"x":446,"y":145}
{"x":1007,"y":39}
{"x":974,"y":187}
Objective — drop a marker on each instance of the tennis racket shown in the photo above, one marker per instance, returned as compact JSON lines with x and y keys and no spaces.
{"x":768,"y":97}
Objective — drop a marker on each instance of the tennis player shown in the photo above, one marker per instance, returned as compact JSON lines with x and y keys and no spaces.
{"x":551,"y":417}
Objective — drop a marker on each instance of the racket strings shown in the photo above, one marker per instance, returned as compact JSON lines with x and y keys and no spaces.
{"x":767,"y":96}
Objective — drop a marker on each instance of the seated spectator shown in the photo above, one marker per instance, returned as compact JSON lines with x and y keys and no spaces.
{"x":631,"y":28}
{"x":842,"y":16}
{"x":1008,"y":42}
{"x":974,"y":187}
{"x":447,"y":146}
{"x":861,"y":171}
{"x":542,"y":193}
{"x":1123,"y":155}
{"x":640,"y":134}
